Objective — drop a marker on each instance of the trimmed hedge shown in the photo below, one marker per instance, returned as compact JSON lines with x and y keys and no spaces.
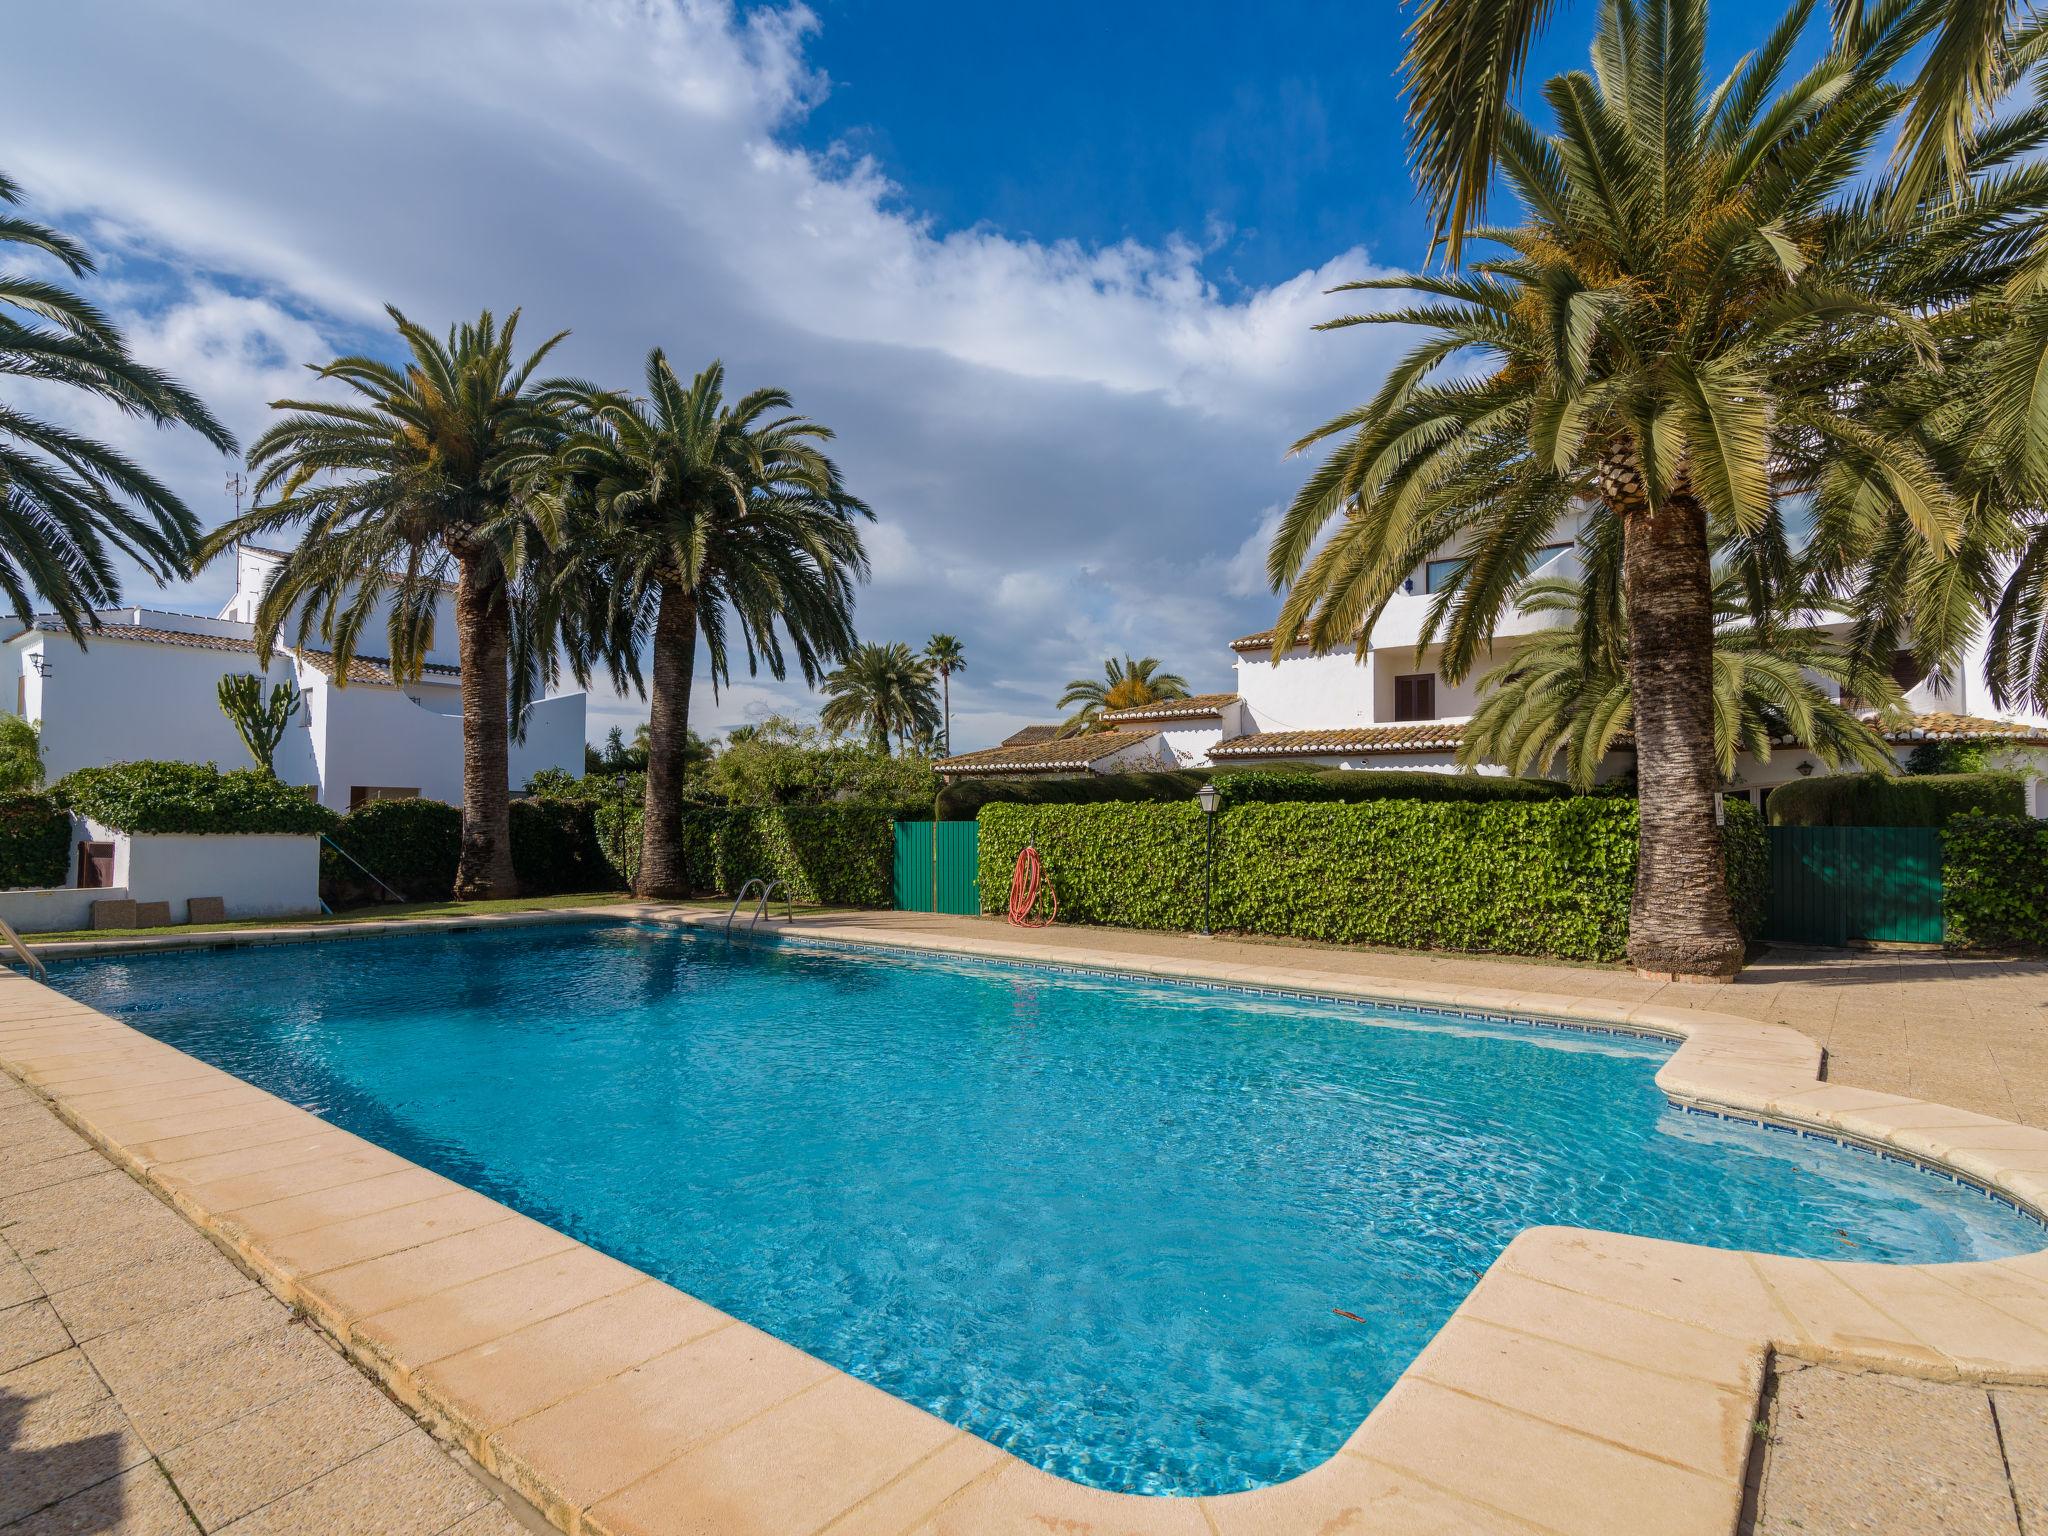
{"x":1880,"y":800}
{"x":555,"y":848}
{"x":174,"y":798}
{"x":841,"y":855}
{"x":415,"y":844}
{"x":1259,"y":786}
{"x":1994,"y":876}
{"x":1552,"y":878}
{"x":964,"y":800}
{"x":35,"y":843}
{"x":1746,"y":853}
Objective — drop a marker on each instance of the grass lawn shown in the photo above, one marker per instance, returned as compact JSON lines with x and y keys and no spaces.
{"x":379,"y":914}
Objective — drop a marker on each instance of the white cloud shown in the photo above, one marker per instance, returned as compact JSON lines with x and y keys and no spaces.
{"x":1064,"y":444}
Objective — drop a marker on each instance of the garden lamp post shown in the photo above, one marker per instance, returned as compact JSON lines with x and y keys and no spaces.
{"x":1208,"y":798}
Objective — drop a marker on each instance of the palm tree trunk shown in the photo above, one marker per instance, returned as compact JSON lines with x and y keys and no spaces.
{"x":946,"y":684}
{"x":668,"y":732}
{"x":1680,"y":923}
{"x":483,"y":621}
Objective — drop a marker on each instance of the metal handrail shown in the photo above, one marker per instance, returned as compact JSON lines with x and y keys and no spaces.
{"x":29,"y":957}
{"x":788,"y":906}
{"x":734,"y":908}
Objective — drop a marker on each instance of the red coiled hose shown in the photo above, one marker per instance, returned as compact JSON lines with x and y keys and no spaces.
{"x":1025,"y":885}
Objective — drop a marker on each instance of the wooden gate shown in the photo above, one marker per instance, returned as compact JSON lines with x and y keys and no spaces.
{"x":938,"y":867}
{"x":1833,"y":884}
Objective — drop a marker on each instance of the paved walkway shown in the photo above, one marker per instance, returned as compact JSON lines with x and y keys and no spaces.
{"x":1856,"y":1452}
{"x":148,"y":1387}
{"x":1972,"y":1033}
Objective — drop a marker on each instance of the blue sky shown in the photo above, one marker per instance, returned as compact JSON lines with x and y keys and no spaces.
{"x":1050,"y":271}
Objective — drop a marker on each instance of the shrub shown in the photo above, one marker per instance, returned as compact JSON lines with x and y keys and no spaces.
{"x":163,"y":797}
{"x":842,"y":855}
{"x":555,"y":848}
{"x":412,"y":845}
{"x":1746,"y":849}
{"x":1546,"y":878}
{"x":1931,"y":757}
{"x":35,"y":842}
{"x":1239,"y":786}
{"x":963,"y":801}
{"x":1879,"y":800}
{"x":1521,"y":879}
{"x":1247,"y":786}
{"x":1994,"y":874}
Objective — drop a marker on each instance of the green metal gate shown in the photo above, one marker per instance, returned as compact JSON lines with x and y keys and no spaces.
{"x":938,"y":867}
{"x":1833,"y":884}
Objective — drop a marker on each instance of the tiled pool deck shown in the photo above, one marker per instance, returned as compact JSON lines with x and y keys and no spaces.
{"x":1589,"y":1383}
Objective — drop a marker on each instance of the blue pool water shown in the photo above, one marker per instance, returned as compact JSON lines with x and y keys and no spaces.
{"x":1106,"y":1224}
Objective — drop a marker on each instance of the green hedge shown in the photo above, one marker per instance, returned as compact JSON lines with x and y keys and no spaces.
{"x":555,"y":848}
{"x":35,"y":843}
{"x":1880,"y":800}
{"x":1252,"y":786}
{"x":841,"y":855}
{"x":1994,"y":876}
{"x":964,"y":800}
{"x":1550,"y":878}
{"x":414,"y":846}
{"x":1746,"y":852}
{"x":169,"y":798}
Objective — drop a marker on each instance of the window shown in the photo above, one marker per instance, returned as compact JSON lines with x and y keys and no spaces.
{"x":1415,"y":697}
{"x":363,"y":794}
{"x":1548,"y":553}
{"x":1438,"y":573}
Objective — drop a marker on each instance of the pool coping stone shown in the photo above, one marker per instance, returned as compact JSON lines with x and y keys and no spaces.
{"x":1628,"y":1370}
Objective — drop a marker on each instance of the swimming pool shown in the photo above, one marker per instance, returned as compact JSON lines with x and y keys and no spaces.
{"x":1151,"y":1238}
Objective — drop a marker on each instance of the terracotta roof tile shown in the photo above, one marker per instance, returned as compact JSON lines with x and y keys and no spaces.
{"x":1194,"y":707}
{"x":374,"y":670}
{"x":1030,"y":734}
{"x":1264,"y":639}
{"x":1045,"y":756}
{"x":1421,"y":736}
{"x":1941,"y":725}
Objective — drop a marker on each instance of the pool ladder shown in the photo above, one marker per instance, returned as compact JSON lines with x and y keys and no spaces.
{"x":31,"y":962}
{"x":768,"y":890}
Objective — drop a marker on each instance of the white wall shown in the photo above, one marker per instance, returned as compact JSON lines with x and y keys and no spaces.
{"x":1301,"y":692}
{"x":118,"y":700}
{"x":56,"y":911}
{"x":256,"y":876}
{"x":380,"y":737}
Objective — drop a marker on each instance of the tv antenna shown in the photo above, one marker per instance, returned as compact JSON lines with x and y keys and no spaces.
{"x":235,"y":486}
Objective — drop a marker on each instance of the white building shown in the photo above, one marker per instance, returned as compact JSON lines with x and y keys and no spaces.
{"x":1393,"y":708}
{"x":144,"y":686}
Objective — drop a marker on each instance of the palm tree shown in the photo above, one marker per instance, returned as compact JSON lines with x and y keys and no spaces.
{"x":438,"y":467}
{"x":1465,"y":59}
{"x":1567,"y":693}
{"x":1630,"y":352}
{"x":1124,"y":684}
{"x":882,"y":689}
{"x":945,"y":655}
{"x":714,"y":517}
{"x":70,"y":507}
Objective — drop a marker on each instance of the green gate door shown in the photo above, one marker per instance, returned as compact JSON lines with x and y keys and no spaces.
{"x":1833,"y":884}
{"x":938,"y":867}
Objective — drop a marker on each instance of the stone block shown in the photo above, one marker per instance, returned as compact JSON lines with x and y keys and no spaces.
{"x":206,"y":909}
{"x":152,"y":914}
{"x":113,"y":914}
